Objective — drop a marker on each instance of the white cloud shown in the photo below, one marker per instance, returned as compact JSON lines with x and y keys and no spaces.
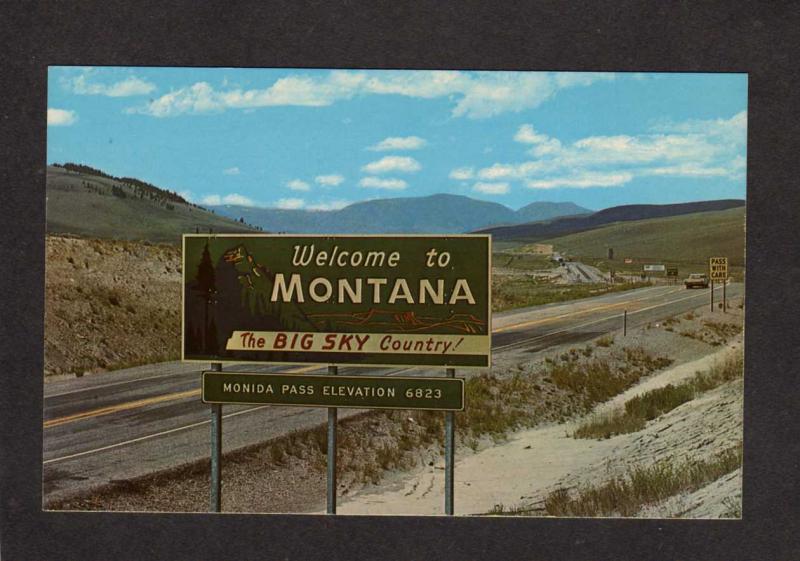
{"x":331,"y":205}
{"x":130,"y":86}
{"x":379,"y":183}
{"x":527,"y":135}
{"x":711,"y":148}
{"x":491,"y":188}
{"x":60,"y":117}
{"x":399,"y":143}
{"x":298,"y":185}
{"x":688,"y":170}
{"x":735,"y":128}
{"x":509,"y":171}
{"x":475,"y":94}
{"x":331,"y":180}
{"x":232,"y":171}
{"x":232,"y":199}
{"x":188,"y":195}
{"x":290,"y":204}
{"x":462,"y":174}
{"x":582,"y":181}
{"x":542,"y":144}
{"x":392,"y":163}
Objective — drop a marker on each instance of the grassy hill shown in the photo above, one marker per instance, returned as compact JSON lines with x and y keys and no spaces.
{"x":565,"y":225}
{"x":91,"y":204}
{"x":685,"y":241}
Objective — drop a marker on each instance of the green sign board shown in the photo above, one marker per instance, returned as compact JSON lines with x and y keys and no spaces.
{"x":355,"y":300}
{"x":360,"y":392}
{"x":672,"y":271}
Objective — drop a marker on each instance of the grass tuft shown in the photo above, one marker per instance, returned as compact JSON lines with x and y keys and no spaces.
{"x":651,"y":405}
{"x":643,"y":485}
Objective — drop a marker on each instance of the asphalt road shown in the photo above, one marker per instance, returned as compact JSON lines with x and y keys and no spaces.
{"x":127,"y":423}
{"x":582,"y":273}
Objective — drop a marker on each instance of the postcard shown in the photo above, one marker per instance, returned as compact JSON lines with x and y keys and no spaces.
{"x":395,"y":292}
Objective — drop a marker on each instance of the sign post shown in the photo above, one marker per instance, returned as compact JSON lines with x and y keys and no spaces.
{"x":718,"y":271}
{"x":711,"y":284}
{"x":331,"y":450}
{"x":216,"y":451}
{"x":724,"y":297}
{"x":449,"y":455}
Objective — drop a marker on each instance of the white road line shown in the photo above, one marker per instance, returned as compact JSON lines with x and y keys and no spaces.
{"x":121,"y":382}
{"x":148,"y":436}
{"x":564,"y":330}
{"x":597,"y":300}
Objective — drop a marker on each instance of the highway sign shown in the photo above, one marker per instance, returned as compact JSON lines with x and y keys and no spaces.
{"x":360,"y":392}
{"x":718,"y":268}
{"x":672,"y":271}
{"x":359,"y":300}
{"x":654,"y":268}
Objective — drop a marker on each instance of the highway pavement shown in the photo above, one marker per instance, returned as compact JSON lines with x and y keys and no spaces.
{"x":127,"y":423}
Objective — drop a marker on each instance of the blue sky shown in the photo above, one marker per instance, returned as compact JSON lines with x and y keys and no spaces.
{"x":320,"y":139}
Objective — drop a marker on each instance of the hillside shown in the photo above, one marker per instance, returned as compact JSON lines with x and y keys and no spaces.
{"x":685,"y":241}
{"x":537,"y":231}
{"x":536,"y":212}
{"x":86,"y":202}
{"x":440,"y":213}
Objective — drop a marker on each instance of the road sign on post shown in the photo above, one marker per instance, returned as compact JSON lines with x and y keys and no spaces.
{"x":718,"y":271}
{"x":672,"y":274}
{"x":359,"y":300}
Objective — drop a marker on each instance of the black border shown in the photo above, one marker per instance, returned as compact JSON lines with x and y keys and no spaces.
{"x":758,"y":38}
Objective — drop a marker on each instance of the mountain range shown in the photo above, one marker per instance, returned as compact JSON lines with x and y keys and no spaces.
{"x":442,"y":213}
{"x":88,"y":202}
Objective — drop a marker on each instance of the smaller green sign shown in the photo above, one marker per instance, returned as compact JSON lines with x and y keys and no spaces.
{"x":672,"y":271}
{"x":360,"y":392}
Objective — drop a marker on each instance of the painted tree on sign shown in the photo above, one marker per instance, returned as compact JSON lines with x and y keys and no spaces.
{"x":207,"y":291}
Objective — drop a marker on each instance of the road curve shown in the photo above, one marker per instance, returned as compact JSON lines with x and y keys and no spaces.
{"x":127,"y":423}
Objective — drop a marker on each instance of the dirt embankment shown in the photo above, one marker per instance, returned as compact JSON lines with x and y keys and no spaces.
{"x":110,"y":304}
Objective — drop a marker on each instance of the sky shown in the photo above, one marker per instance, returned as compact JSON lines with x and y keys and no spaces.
{"x":322,"y":139}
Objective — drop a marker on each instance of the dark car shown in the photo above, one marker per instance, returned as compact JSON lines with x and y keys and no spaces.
{"x":696,"y":280}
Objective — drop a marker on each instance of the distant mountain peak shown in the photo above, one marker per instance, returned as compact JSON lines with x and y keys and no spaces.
{"x":436,"y":213}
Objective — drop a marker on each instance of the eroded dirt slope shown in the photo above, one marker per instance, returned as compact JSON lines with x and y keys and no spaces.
{"x":110,"y":304}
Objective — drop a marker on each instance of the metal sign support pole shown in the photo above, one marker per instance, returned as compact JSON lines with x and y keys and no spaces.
{"x":216,"y":451}
{"x":724,"y":296}
{"x":712,"y":295}
{"x":449,"y":454}
{"x":331,"y":450}
{"x":625,"y":323}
